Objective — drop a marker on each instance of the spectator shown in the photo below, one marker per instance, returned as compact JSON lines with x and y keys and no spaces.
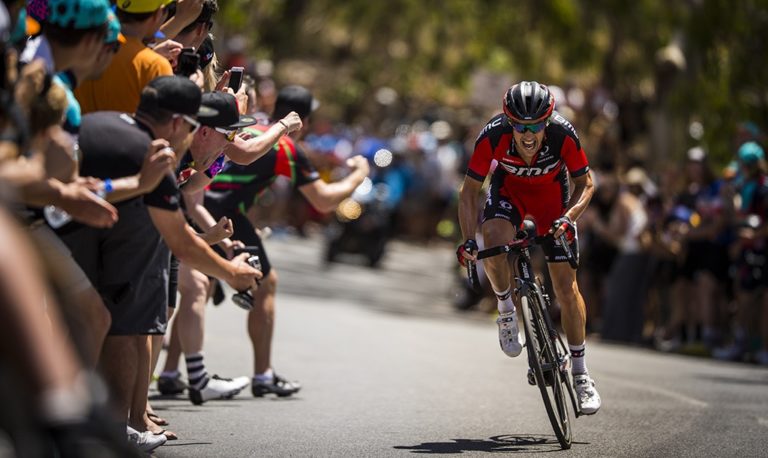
{"x":234,"y":190}
{"x":119,"y":87}
{"x":129,"y":264}
{"x":626,"y":285}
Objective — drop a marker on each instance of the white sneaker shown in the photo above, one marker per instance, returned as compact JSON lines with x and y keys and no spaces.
{"x":589,"y":399}
{"x":218,"y":388}
{"x":146,"y":441}
{"x":509,"y":336}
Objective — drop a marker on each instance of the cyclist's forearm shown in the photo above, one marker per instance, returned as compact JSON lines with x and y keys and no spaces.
{"x":582,"y":194}
{"x":467,"y":212}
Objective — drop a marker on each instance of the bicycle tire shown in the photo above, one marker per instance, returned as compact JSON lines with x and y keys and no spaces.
{"x":544,"y":362}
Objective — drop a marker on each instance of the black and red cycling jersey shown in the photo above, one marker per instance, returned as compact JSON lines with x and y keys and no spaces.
{"x":540,"y":189}
{"x":238,"y":186}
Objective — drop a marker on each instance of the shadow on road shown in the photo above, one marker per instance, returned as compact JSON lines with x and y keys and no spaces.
{"x":506,"y":443}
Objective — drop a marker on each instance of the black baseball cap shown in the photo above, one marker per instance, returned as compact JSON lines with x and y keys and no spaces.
{"x":227,"y":114}
{"x":176,"y":94}
{"x":294,"y":98}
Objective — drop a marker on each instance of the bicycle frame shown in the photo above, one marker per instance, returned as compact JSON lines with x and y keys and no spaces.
{"x":547,"y":354}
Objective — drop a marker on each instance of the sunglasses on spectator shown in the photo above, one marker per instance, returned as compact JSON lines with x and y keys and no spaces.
{"x":533,"y":128}
{"x":189,"y":120}
{"x":230,"y":134}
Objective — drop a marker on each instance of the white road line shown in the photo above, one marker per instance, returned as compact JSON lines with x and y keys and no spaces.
{"x":660,"y":391}
{"x":762,"y":421}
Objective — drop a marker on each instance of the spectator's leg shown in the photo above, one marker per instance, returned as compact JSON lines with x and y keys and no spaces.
{"x":119,"y":364}
{"x":261,"y":323}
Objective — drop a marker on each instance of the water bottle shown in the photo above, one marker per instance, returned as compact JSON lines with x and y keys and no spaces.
{"x":56,"y":217}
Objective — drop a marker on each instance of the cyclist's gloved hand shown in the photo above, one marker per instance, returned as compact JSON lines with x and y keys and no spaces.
{"x":564,"y":224}
{"x":468,"y":247}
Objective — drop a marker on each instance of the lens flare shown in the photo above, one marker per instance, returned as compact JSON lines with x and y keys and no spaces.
{"x":382,"y":157}
{"x":348,"y":210}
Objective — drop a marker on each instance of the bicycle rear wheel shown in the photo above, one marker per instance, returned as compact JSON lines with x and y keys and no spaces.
{"x":546,"y":366}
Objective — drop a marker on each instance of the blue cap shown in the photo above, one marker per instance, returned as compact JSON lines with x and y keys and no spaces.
{"x":77,"y":14}
{"x":113,"y":30}
{"x":751,"y":153}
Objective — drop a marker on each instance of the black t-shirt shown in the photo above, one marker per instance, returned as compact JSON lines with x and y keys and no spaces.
{"x":113,"y":145}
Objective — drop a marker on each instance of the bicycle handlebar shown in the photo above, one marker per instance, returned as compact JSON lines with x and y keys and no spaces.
{"x":522,"y":242}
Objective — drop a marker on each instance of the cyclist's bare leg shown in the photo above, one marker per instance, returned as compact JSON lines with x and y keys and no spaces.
{"x":574,"y":311}
{"x":261,"y":323}
{"x":498,"y":232}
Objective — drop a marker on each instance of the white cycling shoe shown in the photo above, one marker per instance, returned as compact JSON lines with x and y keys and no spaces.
{"x":509,"y":335}
{"x":589,"y":399}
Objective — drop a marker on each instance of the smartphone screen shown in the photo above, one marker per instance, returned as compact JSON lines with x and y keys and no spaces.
{"x":235,"y":78}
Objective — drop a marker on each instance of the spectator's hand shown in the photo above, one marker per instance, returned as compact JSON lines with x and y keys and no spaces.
{"x":170,"y":50}
{"x":244,"y":276}
{"x":242,"y":99}
{"x":359,"y":163}
{"x":158,"y":162}
{"x":30,"y":83}
{"x":221,"y":85}
{"x":85,"y":206}
{"x":222,"y":230}
{"x":188,"y":10}
{"x":91,"y":183}
{"x":229,"y":246}
{"x":292,"y":122}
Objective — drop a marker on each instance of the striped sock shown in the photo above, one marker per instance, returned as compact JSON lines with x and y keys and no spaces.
{"x":198,"y":377}
{"x":504,"y":299}
{"x":577,"y":356}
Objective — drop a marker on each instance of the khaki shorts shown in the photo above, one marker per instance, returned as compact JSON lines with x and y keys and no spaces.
{"x":65,"y":273}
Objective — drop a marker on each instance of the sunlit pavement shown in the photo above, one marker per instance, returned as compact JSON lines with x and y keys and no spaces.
{"x":389,"y":368}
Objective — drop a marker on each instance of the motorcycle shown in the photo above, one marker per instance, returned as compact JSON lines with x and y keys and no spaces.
{"x":362,"y":224}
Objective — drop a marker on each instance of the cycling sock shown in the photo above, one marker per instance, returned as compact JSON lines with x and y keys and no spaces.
{"x":265,"y":377}
{"x":577,"y":356}
{"x":504,"y":299}
{"x":198,"y":377}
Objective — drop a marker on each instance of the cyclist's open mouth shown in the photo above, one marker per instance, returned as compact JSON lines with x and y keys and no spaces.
{"x":529,"y":145}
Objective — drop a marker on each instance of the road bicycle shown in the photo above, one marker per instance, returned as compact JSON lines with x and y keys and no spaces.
{"x":548,"y":357}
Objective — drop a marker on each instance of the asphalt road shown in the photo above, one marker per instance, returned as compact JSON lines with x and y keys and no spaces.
{"x":389,"y":369}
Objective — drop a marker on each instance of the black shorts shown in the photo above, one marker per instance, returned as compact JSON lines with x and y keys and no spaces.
{"x":497,"y":206}
{"x":129,"y":267}
{"x":244,"y":231}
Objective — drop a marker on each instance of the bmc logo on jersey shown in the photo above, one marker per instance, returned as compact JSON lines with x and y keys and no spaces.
{"x":561,"y":120}
{"x":489,"y":126}
{"x":529,"y":171}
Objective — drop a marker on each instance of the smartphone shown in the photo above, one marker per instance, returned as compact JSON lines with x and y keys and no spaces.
{"x":235,"y":78}
{"x":189,"y":60}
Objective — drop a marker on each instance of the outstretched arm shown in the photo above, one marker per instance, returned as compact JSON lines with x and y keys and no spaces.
{"x":326,"y":196}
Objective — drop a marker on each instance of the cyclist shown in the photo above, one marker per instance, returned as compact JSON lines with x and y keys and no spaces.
{"x":536,"y":150}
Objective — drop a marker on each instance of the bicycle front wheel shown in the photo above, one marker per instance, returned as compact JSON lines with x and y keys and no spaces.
{"x":545,"y":364}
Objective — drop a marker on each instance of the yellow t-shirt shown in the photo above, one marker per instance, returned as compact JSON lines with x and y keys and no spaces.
{"x":119,"y":88}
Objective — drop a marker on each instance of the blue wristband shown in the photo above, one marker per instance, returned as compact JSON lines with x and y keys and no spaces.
{"x":108,"y":185}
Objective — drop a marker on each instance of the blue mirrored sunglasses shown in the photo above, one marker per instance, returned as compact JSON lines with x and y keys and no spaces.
{"x":534,"y":128}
